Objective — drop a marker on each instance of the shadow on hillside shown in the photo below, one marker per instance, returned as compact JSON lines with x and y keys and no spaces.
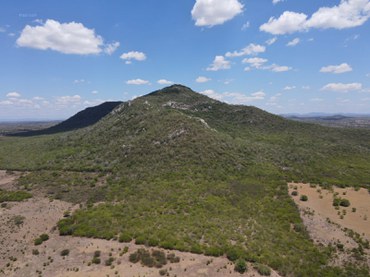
{"x":82,"y":119}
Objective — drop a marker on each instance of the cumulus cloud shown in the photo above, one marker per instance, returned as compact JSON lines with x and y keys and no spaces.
{"x":255,"y":62}
{"x":277,"y":68}
{"x":67,"y":38}
{"x":348,"y":14}
{"x":219,"y":63}
{"x":164,"y":82}
{"x":235,"y":97}
{"x":13,"y":94}
{"x":137,"y":82}
{"x":67,"y":100}
{"x":341,"y":87}
{"x":110,"y":48}
{"x":276,"y":1}
{"x":133,"y":55}
{"x":211,"y":93}
{"x":202,"y":79}
{"x":293,"y":42}
{"x":214,"y":12}
{"x":251,"y":49}
{"x":336,"y":69}
{"x":288,"y":22}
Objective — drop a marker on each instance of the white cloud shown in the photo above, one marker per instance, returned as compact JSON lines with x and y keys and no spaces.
{"x":13,"y":94}
{"x":133,"y":55}
{"x":277,"y":68}
{"x":251,"y":49}
{"x":293,"y":42}
{"x":79,"y":81}
{"x":67,"y":38}
{"x":340,"y":87}
{"x":289,"y":87}
{"x":110,"y":48}
{"x":337,"y":69}
{"x":219,"y":63}
{"x":164,"y":82}
{"x":235,"y":97}
{"x":202,"y":79}
{"x":276,"y":1}
{"x":214,"y":12}
{"x":254,"y":62}
{"x":94,"y":92}
{"x":211,"y":93}
{"x":67,"y":100}
{"x":271,"y":41}
{"x":348,"y":14}
{"x":288,"y":22}
{"x":2,"y":30}
{"x":137,"y":82}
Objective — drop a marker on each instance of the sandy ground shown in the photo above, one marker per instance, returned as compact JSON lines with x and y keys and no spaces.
{"x":358,"y":221}
{"x":40,"y":215}
{"x":326,"y":225}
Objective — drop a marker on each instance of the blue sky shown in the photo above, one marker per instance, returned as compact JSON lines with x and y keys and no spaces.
{"x":58,"y":57}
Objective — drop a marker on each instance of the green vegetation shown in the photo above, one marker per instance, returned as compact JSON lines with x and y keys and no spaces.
{"x":341,"y":202}
{"x":154,"y":258}
{"x":262,"y":269}
{"x":240,"y":266}
{"x":12,"y":196}
{"x":41,"y":239}
{"x":303,"y":198}
{"x":180,"y":171}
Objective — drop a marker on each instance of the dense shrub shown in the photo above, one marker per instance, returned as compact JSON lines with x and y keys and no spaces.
{"x":303,"y":198}
{"x":44,"y":237}
{"x":262,"y":269}
{"x":341,"y":202}
{"x":124,"y":237}
{"x":38,"y":241}
{"x":240,"y":266}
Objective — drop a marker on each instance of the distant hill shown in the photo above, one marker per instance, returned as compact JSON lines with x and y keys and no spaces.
{"x":82,"y":119}
{"x":342,"y":121}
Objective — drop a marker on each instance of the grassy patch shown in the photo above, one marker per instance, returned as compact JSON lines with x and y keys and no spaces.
{"x":14,"y":196}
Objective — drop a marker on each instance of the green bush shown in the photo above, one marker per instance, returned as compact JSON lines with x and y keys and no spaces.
{"x":95,"y":260}
{"x":38,"y":241}
{"x":303,"y":198}
{"x":44,"y":237}
{"x":262,"y":269}
{"x":341,"y":202}
{"x":124,"y":237}
{"x":134,"y":257}
{"x":240,"y":266}
{"x":294,"y":193}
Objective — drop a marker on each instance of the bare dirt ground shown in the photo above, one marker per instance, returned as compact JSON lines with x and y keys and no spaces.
{"x":22,"y":222}
{"x":326,"y":225}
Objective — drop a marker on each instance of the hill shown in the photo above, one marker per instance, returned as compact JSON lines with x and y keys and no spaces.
{"x":82,"y":119}
{"x":183,"y":171}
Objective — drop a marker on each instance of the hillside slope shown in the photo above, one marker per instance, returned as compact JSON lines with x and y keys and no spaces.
{"x":87,"y":117}
{"x":187,"y":172}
